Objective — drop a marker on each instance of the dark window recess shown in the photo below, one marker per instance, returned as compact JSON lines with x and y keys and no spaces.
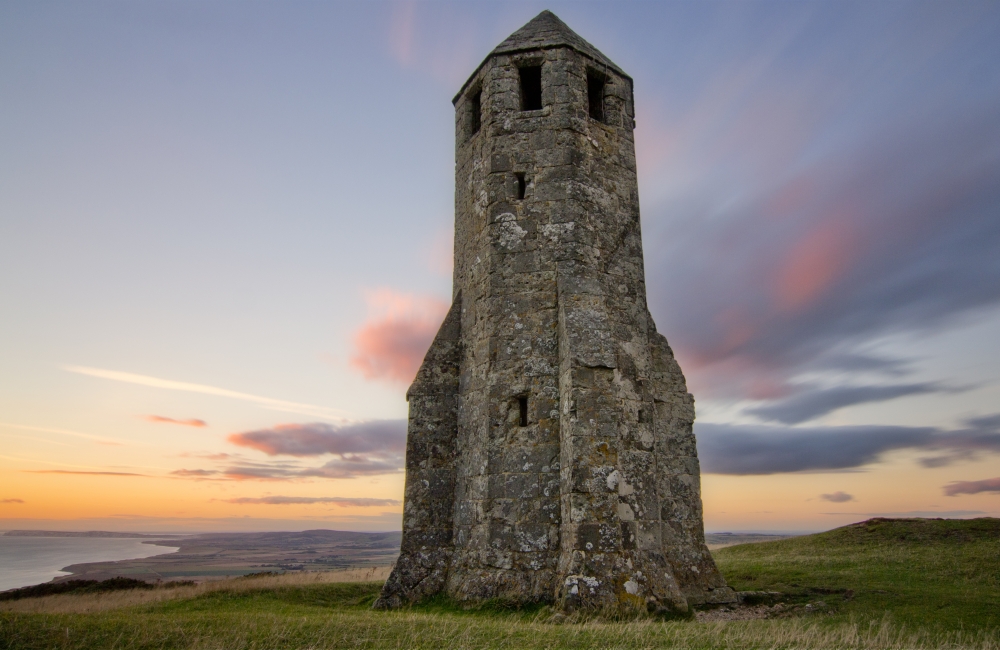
{"x":476,"y":107}
{"x":522,"y":404}
{"x":521,"y":185}
{"x":531,"y":88}
{"x":595,"y":96}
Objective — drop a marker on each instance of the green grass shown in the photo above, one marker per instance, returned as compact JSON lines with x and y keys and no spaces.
{"x":941,"y":574}
{"x":916,"y":584}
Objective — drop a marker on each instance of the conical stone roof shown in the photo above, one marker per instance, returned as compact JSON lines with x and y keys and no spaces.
{"x":546,"y":31}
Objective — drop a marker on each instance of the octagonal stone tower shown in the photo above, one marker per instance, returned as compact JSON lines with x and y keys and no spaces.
{"x":550,"y":454}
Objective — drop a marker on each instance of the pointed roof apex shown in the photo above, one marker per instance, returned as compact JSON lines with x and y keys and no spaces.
{"x":546,"y":31}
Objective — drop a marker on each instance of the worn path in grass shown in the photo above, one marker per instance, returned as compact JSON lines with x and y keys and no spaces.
{"x":915,"y":584}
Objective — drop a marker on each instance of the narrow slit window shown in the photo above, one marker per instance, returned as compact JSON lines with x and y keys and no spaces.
{"x":531,"y":88}
{"x":476,"y":108}
{"x":595,"y":95}
{"x":522,"y":404}
{"x":521,"y":185}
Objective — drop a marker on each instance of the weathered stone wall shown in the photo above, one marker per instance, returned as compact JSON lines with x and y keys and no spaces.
{"x":594,"y":500}
{"x":429,"y":493}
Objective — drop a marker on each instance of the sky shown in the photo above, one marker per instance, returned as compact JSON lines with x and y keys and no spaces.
{"x":226,"y":234}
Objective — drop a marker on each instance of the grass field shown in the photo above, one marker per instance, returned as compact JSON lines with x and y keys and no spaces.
{"x":885,"y":584}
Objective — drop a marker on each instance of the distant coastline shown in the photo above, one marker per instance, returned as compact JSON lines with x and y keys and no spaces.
{"x":28,"y":560}
{"x":89,"y":533}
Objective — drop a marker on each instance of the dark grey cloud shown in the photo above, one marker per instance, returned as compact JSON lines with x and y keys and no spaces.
{"x":981,"y":434}
{"x":361,"y":449}
{"x":814,"y":402}
{"x":747,"y":449}
{"x":866,"y":363}
{"x":318,"y":438}
{"x":972,"y":487}
{"x":753,"y":449}
{"x":837,"y":497}
{"x":361,"y":502}
{"x":194,"y":473}
{"x":988,"y":423}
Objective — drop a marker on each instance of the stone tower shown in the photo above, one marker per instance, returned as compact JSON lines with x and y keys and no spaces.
{"x":550,"y":454}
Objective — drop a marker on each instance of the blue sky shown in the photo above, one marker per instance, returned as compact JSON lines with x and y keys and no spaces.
{"x":239,"y":214}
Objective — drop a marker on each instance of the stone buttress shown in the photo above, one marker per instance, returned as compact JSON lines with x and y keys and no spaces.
{"x":550,"y":454}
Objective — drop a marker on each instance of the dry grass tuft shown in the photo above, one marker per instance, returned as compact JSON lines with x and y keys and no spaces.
{"x":99,"y":602}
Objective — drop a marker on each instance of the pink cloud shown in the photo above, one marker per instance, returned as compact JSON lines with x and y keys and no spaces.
{"x":392,"y":344}
{"x":402,"y":28}
{"x":812,"y":265}
{"x":436,"y":40}
{"x":192,"y":422}
{"x":439,"y":255}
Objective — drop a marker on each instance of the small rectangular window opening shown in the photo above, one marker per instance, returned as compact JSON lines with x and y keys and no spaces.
{"x":522,"y":404}
{"x":531,"y":88}
{"x":595,"y":95}
{"x":521,"y":185}
{"x":476,"y":108}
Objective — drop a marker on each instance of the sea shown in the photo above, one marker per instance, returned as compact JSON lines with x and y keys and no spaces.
{"x":28,"y":561}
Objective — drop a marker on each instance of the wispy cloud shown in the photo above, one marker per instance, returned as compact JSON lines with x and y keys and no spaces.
{"x":169,"y":384}
{"x":192,"y":422}
{"x":37,"y":439}
{"x":344,"y":502}
{"x":83,"y":473}
{"x":350,"y":467}
{"x":206,"y":456}
{"x":392,"y":344}
{"x":913,"y":513}
{"x":11,"y":500}
{"x":972,"y":487}
{"x":195,"y":473}
{"x":837,"y":497}
{"x":103,"y":440}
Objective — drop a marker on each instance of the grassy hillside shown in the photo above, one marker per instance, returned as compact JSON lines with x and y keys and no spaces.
{"x":941,"y":573}
{"x":886,"y":584}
